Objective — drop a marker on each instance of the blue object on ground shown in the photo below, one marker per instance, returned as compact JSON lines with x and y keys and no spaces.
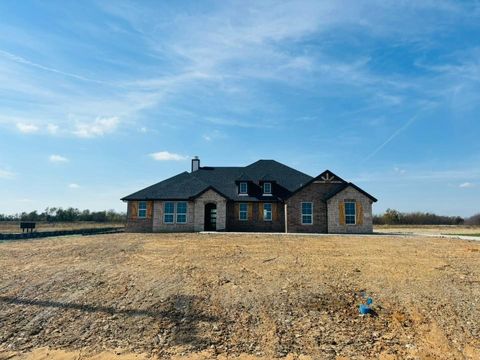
{"x":369,"y":301}
{"x":364,"y":309}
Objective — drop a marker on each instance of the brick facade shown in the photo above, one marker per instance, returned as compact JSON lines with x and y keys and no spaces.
{"x":328,"y":215}
{"x":255,"y":222}
{"x":136,"y":224}
{"x":159,"y":223}
{"x":336,"y":224}
{"x":311,"y":194}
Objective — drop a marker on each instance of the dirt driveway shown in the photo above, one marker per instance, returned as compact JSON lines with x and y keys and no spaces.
{"x":259,"y":296}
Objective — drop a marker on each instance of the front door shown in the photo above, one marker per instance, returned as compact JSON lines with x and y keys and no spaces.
{"x":210,"y":217}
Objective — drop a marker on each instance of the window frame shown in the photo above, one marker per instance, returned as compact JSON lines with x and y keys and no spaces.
{"x":240,"y":192}
{"x":165,"y":213}
{"x":302,"y":214}
{"x":141,"y":208}
{"x":245,"y":212}
{"x":178,"y":213}
{"x":349,"y":216}
{"x":267,"y":211}
{"x":270,"y":186}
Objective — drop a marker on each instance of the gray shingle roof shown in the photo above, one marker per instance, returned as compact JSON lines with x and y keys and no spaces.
{"x":223,"y":179}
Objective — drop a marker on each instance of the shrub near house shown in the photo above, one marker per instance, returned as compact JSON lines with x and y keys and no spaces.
{"x":263,"y":196}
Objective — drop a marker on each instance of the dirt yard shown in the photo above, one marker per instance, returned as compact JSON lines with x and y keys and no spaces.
{"x":201,"y":296}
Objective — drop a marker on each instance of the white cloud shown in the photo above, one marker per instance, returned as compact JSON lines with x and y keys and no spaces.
{"x":213,"y":135}
{"x":73,"y":186}
{"x":167,"y":156}
{"x":5,"y":174}
{"x":399,"y":171}
{"x":466,"y":185}
{"x":57,"y":159}
{"x":99,"y":127}
{"x":52,"y":129}
{"x":27,"y":128}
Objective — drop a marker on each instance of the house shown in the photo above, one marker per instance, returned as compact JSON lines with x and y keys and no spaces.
{"x":264,"y":196}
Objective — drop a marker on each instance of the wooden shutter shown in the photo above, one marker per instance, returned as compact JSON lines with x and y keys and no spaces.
{"x":274,"y":212}
{"x":341,"y":212}
{"x":359,"y":213}
{"x":149,"y":209}
{"x":133,"y":209}
{"x":236,"y":210}
{"x":250,"y":211}
{"x":260,"y":211}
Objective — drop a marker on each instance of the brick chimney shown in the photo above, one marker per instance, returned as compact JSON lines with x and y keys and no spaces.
{"x":195,"y":163}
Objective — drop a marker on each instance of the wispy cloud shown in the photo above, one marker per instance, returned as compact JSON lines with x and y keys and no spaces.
{"x":98,"y":127}
{"x":5,"y":174}
{"x":73,"y":186}
{"x":213,"y":135}
{"x":167,"y":156}
{"x":419,"y":174}
{"x":466,"y":185}
{"x":390,"y":138}
{"x":52,"y":129}
{"x":57,"y":159}
{"x":238,"y":123}
{"x":24,"y":61}
{"x":27,"y":128}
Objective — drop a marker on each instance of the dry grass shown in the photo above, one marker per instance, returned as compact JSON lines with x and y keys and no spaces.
{"x":8,"y":227}
{"x":259,"y":296}
{"x":429,"y":229}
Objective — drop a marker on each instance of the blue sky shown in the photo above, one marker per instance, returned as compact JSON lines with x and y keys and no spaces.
{"x":101,"y":98}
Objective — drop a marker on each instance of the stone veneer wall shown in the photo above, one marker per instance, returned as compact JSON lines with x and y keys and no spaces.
{"x":311,"y":194}
{"x":349,"y":193}
{"x":210,"y":196}
{"x":160,"y":226}
{"x":255,"y":221}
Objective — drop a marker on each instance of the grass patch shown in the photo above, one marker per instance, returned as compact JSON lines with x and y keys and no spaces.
{"x":477,"y":234}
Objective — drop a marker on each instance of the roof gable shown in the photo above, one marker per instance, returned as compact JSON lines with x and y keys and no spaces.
{"x":328,"y":177}
{"x":347,"y":185}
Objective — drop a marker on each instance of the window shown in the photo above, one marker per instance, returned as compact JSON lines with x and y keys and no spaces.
{"x":243,"y":188}
{"x":142,"y":209}
{"x":181,"y":212}
{"x":168,"y":213}
{"x":350,"y":212}
{"x":307,"y":213}
{"x":243,"y":211}
{"x":267,"y":212}
{"x":267,"y":188}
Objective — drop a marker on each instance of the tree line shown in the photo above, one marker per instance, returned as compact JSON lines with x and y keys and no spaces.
{"x":58,"y":214}
{"x":394,"y":217}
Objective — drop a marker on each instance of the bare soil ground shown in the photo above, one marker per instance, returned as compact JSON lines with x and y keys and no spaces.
{"x":203,"y":296}
{"x":8,"y":227}
{"x":429,"y":229}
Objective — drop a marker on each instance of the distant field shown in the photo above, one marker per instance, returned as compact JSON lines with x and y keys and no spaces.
{"x":14,"y":226}
{"x":430,"y":229}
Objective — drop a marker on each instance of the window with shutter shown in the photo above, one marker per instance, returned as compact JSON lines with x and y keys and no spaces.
{"x":243,"y":212}
{"x":267,"y":212}
{"x":350,"y":212}
{"x":142,"y":209}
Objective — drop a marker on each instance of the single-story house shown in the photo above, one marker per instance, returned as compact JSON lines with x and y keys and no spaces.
{"x":263,"y":196}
